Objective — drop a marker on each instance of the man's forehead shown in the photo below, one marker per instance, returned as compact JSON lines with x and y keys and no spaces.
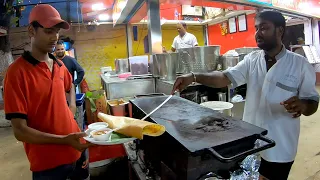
{"x":60,"y":46}
{"x":260,"y":21}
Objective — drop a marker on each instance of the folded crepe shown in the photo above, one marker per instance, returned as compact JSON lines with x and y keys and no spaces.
{"x":132,"y":127}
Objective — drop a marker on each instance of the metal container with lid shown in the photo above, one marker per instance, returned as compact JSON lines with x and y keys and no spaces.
{"x":198,"y":59}
{"x":165,"y":65}
{"x":122,"y":65}
{"x":229,"y":61}
{"x":242,"y":52}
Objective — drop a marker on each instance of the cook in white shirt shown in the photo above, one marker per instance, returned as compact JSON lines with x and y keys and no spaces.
{"x":280,"y":87}
{"x":184,"y":39}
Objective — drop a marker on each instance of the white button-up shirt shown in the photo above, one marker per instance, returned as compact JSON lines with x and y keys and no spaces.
{"x":292,"y":75}
{"x":187,"y":41}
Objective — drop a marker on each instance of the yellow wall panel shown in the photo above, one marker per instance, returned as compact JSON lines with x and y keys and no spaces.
{"x":99,"y":48}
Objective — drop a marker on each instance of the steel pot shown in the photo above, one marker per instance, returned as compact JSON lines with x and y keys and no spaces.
{"x":198,"y":59}
{"x":229,"y":61}
{"x":122,"y":65}
{"x":165,"y":65}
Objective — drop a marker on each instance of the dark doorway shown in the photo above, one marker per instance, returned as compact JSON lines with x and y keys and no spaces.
{"x":292,"y":34}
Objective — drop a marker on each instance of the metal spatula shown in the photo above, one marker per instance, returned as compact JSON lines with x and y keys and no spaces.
{"x":165,"y":101}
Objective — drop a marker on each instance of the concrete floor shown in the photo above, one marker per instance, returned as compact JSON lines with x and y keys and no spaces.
{"x":14,"y":164}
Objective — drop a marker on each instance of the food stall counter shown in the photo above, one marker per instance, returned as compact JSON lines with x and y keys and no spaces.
{"x":120,"y":87}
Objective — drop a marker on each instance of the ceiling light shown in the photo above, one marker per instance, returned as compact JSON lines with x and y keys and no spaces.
{"x":98,"y":7}
{"x":116,"y":15}
{"x":103,"y":17}
{"x":122,"y":4}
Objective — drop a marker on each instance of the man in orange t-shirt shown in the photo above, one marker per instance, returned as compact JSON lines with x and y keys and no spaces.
{"x":35,"y":91}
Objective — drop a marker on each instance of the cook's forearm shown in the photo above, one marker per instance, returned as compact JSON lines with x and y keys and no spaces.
{"x":214,"y":79}
{"x":29,"y":135}
{"x":311,"y":107}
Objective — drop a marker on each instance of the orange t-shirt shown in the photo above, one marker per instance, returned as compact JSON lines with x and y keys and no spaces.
{"x":34,"y":93}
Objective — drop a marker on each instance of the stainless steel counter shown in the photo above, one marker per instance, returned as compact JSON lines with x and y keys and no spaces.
{"x":118,"y":88}
{"x":163,"y":86}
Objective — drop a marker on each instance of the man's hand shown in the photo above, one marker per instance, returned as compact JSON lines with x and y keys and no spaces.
{"x":74,"y":141}
{"x":295,"y":106}
{"x":164,"y":49}
{"x":182,"y":82}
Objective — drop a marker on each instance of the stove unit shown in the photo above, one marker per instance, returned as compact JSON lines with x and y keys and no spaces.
{"x":197,"y":141}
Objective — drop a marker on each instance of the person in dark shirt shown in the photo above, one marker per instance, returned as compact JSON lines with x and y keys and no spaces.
{"x":70,"y":62}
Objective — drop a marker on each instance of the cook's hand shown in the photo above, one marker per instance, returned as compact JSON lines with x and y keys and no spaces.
{"x":74,"y":141}
{"x":164,"y":49}
{"x":182,"y":82}
{"x":295,"y":106}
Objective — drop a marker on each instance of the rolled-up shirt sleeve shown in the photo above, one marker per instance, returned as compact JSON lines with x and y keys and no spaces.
{"x":307,"y":89}
{"x":194,"y":41}
{"x":238,"y":75}
{"x":174,"y":43}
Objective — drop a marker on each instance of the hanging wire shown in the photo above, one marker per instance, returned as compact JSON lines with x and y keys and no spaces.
{"x":78,"y":16}
{"x":81,"y":15}
{"x":143,"y":26}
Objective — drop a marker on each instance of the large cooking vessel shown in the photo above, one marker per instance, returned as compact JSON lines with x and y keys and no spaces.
{"x":228,"y":61}
{"x":198,"y":59}
{"x":122,"y":65}
{"x":165,"y":65}
{"x":244,"y":51}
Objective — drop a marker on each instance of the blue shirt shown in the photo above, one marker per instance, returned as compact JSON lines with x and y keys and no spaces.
{"x":72,"y":66}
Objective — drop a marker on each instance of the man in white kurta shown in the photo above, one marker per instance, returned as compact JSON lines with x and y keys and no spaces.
{"x":292,"y":75}
{"x":280,"y":87}
{"x":184,"y":39}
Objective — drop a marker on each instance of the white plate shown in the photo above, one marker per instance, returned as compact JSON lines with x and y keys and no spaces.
{"x":217,"y":105}
{"x":118,"y":141}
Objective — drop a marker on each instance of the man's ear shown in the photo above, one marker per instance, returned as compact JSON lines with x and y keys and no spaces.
{"x":31,"y":31}
{"x":281,"y":31}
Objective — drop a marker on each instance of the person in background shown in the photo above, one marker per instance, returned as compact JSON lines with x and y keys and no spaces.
{"x":70,"y":62}
{"x":36,"y":87}
{"x":300,"y":50}
{"x":184,"y":39}
{"x":280,"y":87}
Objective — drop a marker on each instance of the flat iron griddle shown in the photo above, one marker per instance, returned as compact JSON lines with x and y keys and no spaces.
{"x":181,"y":117}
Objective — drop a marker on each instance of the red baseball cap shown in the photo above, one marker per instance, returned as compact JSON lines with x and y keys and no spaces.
{"x":47,"y":16}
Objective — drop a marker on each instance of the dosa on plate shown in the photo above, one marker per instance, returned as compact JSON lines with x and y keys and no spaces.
{"x":132,"y":127}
